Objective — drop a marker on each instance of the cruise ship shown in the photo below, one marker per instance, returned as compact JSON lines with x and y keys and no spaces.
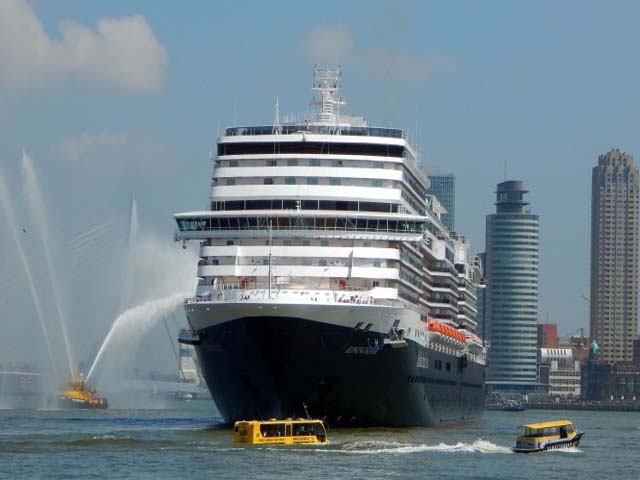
{"x":327,"y":283}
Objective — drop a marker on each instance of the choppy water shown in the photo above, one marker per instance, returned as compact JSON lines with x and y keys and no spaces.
{"x":188,"y":442}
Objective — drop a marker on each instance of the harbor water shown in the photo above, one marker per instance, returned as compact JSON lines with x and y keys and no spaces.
{"x":187,"y":440}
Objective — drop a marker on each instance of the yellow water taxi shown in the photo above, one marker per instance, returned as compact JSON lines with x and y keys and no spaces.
{"x":551,"y":435}
{"x":279,"y":432}
{"x":76,"y":394}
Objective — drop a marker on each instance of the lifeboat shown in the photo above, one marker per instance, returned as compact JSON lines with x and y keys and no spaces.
{"x":446,"y":332}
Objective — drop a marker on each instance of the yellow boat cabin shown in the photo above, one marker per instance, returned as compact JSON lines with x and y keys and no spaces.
{"x":279,"y":432}
{"x":550,"y":435}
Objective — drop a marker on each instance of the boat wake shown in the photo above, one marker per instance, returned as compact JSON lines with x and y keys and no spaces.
{"x":374,"y":447}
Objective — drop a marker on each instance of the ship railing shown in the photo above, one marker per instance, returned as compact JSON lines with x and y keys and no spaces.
{"x":317,"y":129}
{"x":351,"y":296}
{"x":345,"y":224}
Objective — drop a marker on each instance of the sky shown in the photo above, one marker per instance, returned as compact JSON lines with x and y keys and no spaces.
{"x":118,"y":99}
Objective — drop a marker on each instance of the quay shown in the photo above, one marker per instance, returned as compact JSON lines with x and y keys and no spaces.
{"x":591,"y":405}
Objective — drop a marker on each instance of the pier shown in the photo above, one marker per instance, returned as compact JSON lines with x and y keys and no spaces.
{"x":591,"y":405}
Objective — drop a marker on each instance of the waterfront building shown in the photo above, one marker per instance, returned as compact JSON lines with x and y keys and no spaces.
{"x":481,"y":259}
{"x":560,"y":372}
{"x":444,"y":188}
{"x":612,"y":381}
{"x":548,"y":335}
{"x":614,"y":256}
{"x":579,"y":344}
{"x":512,"y":290}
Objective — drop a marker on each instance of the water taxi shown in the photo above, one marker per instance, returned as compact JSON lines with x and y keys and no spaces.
{"x":513,"y":406}
{"x":279,"y":432}
{"x":551,"y":435}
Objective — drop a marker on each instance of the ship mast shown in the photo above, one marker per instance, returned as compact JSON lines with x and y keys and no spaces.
{"x":326,"y":83}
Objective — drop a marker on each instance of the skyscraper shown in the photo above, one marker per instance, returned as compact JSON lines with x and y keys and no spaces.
{"x":512,"y":290}
{"x":444,"y":188}
{"x":614,"y":256}
{"x":482,"y":296}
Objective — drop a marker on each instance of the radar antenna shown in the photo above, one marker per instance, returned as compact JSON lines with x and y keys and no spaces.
{"x":326,"y":82}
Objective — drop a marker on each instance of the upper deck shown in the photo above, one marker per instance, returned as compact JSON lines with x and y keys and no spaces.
{"x":317,"y":129}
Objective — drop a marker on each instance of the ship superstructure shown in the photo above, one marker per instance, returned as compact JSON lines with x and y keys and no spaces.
{"x":327,"y":279}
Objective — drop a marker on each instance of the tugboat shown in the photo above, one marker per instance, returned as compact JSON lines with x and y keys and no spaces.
{"x":76,"y":394}
{"x":553,"y":435}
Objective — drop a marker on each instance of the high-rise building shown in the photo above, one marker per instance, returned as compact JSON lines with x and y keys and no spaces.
{"x":548,"y":335}
{"x":482,"y":295}
{"x":444,"y":188}
{"x":512,"y":290}
{"x":614,"y":256}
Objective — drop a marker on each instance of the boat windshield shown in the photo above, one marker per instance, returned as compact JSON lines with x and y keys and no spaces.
{"x":311,"y":428}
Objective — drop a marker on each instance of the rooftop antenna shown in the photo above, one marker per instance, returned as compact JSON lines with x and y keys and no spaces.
{"x":276,"y":120}
{"x":505,"y":169}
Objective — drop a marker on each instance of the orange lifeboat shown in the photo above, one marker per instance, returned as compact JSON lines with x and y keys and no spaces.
{"x":446,"y":330}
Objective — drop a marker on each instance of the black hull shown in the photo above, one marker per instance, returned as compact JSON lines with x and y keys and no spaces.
{"x":264,"y":367}
{"x":69,"y":404}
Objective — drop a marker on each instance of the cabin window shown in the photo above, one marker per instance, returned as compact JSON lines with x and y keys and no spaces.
{"x":272,"y":430}
{"x":292,"y":162}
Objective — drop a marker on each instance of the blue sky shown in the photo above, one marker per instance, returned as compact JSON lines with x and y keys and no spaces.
{"x":114,"y":99}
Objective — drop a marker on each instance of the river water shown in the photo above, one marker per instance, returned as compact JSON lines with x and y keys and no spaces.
{"x":187,"y":441}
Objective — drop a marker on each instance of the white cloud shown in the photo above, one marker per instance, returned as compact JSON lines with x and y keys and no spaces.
{"x":113,"y":153}
{"x":327,"y":44}
{"x":121,"y":53}
{"x":405,"y":68}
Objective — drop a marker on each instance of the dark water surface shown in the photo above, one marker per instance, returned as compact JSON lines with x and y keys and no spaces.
{"x":187,"y":441}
